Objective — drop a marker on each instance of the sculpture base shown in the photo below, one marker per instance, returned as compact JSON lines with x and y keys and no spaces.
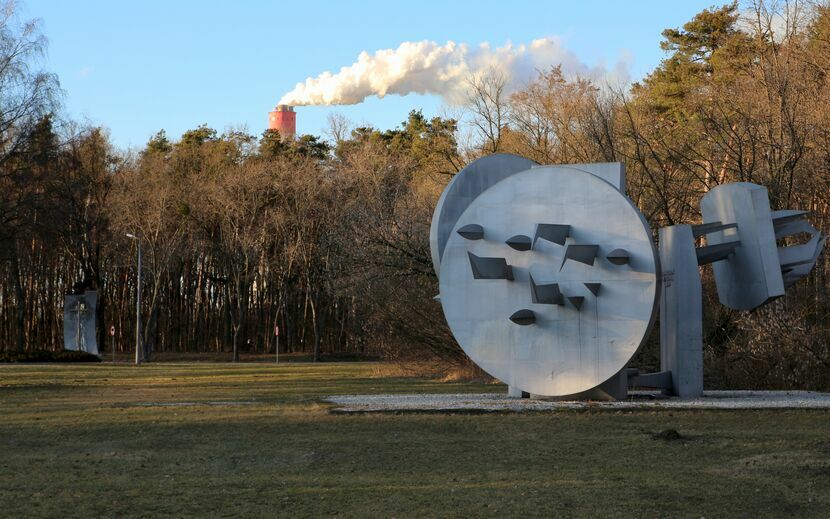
{"x":615,"y":388}
{"x":495,"y":402}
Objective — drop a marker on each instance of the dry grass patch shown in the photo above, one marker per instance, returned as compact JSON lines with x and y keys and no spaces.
{"x":75,"y":443}
{"x":461,"y":371}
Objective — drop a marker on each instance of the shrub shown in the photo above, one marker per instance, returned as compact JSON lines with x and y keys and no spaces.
{"x":48,"y":356}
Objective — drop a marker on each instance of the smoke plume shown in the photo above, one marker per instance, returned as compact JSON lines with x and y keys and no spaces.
{"x":425,"y":67}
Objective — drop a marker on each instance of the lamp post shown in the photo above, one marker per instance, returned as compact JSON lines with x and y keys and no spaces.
{"x":137,"y":302}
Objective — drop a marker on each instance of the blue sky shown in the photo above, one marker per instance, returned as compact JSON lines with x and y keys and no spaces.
{"x":140,"y":66}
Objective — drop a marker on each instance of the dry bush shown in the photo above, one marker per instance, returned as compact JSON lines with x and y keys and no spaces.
{"x":461,"y":370}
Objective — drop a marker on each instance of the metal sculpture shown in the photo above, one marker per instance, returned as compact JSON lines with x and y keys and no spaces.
{"x":750,"y":270}
{"x":535,"y":316}
{"x":562,"y":313}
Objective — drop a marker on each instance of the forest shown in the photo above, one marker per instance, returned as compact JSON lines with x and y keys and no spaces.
{"x":326,"y":237}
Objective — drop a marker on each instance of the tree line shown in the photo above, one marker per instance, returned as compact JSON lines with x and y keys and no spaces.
{"x":328,"y":238}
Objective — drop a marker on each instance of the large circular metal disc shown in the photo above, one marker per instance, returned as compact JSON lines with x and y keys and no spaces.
{"x":573,"y":346}
{"x":463,"y":189}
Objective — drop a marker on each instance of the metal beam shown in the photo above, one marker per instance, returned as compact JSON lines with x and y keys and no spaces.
{"x":717,"y":252}
{"x":706,"y":228}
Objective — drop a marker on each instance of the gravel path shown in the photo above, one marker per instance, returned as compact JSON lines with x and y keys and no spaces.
{"x":500,"y":402}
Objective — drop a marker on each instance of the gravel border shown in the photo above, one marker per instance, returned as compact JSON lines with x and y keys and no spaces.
{"x":498,"y":402}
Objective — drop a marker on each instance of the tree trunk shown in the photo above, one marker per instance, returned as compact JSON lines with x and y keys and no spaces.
{"x":150,"y":333}
{"x":228,"y":328}
{"x":235,"y":345}
{"x":20,"y":298}
{"x":318,"y":319}
{"x":242,"y":319}
{"x":101,"y":328}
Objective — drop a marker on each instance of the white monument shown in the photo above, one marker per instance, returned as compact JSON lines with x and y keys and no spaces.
{"x":79,"y":322}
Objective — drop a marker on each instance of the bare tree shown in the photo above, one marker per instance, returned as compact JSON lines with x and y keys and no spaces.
{"x":151,"y":207}
{"x":488,"y":102}
{"x":559,"y":121}
{"x":27,"y":95}
{"x":237,"y":202}
{"x":339,"y":128}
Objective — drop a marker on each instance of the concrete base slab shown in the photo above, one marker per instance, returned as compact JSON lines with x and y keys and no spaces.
{"x":499,"y":402}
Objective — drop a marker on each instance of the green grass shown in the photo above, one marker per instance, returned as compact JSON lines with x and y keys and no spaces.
{"x":91,"y":440}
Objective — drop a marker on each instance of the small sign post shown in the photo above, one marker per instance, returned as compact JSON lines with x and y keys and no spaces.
{"x":112,"y":334}
{"x":277,"y":334}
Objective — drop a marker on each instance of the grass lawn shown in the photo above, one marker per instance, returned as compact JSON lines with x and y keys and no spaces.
{"x":92,"y":440}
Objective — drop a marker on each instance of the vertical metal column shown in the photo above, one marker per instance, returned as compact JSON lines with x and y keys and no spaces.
{"x":681,"y":311}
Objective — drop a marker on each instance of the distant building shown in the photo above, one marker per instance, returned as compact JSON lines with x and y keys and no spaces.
{"x":283,"y":119}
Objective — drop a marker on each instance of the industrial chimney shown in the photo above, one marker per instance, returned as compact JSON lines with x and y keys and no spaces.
{"x":284,"y":120}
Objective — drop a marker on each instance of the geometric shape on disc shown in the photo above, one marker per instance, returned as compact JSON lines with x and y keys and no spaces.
{"x":472,"y":231}
{"x":545,"y":294}
{"x":523,"y":317}
{"x":581,"y":253}
{"x":552,"y":232}
{"x":593,"y":287}
{"x":576,"y":301}
{"x":618,"y":256}
{"x":567,"y":351}
{"x":490,"y":268}
{"x":519,"y":242}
